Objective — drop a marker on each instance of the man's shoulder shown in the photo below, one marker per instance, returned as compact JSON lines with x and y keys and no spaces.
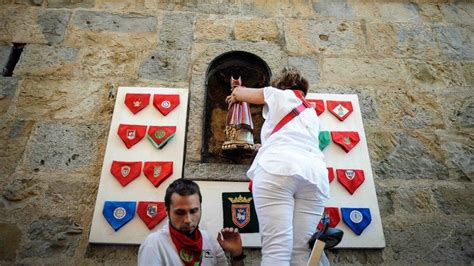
{"x":160,"y":235}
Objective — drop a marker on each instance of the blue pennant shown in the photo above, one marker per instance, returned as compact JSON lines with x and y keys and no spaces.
{"x":356,"y":218}
{"x":118,"y":213}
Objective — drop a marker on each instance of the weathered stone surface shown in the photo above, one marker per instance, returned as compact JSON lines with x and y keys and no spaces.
{"x":256,"y":29}
{"x":416,"y":41}
{"x":414,"y":197}
{"x":430,"y":12}
{"x":468,"y":70}
{"x":460,"y":12}
{"x":215,"y":172}
{"x":22,"y":187}
{"x":62,"y":146}
{"x":331,"y":37}
{"x":351,"y":256}
{"x":452,"y":197}
{"x":398,"y":12}
{"x":8,"y":86}
{"x":308,"y":66}
{"x":455,"y":42}
{"x":170,"y":61}
{"x":52,"y":236}
{"x":14,"y":134}
{"x":213,"y":28}
{"x":39,"y":60}
{"x":103,"y":21}
{"x":338,"y":9}
{"x":458,"y":148}
{"x":381,"y":38}
{"x":434,"y":75}
{"x":410,"y":159}
{"x":70,"y":3}
{"x":115,"y":254}
{"x":75,"y":99}
{"x":102,"y":62}
{"x":458,"y":108}
{"x":53,"y":24}
{"x":19,"y":24}
{"x":5,"y":50}
{"x":362,"y":71}
{"x":10,"y":237}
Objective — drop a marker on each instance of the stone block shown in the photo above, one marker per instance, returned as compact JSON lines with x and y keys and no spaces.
{"x":19,"y":25}
{"x":458,"y":108}
{"x":176,"y":32}
{"x":308,"y":66}
{"x":414,"y":197}
{"x":66,"y":99}
{"x":434,"y":76}
{"x":10,"y":237}
{"x":458,"y":152}
{"x":52,"y":236}
{"x":215,"y":172}
{"x":23,"y":187}
{"x":381,"y":38}
{"x":53,"y":24}
{"x":110,"y":22}
{"x":430,"y":13}
{"x":14,"y":134}
{"x":328,"y":37}
{"x":63,"y":146}
{"x":398,"y":12}
{"x":362,"y":71}
{"x":213,"y":28}
{"x":111,"y":40}
{"x":468,"y":71}
{"x":414,"y":157}
{"x":452,"y":197}
{"x":70,"y":3}
{"x":338,"y":9}
{"x":42,"y":60}
{"x":256,"y":29}
{"x":5,"y":50}
{"x":458,"y":12}
{"x":166,"y":64}
{"x":8,"y":86}
{"x":105,"y":62}
{"x":416,"y":41}
{"x":456,"y":42}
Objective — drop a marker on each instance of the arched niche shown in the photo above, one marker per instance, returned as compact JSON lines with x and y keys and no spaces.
{"x":255,"y":73}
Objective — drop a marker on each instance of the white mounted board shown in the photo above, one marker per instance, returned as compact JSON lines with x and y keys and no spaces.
{"x":140,"y":189}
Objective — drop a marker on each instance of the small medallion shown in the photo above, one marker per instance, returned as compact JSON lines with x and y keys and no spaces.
{"x":131,"y":133}
{"x":119,"y":213}
{"x":166,"y":104}
{"x":125,"y":170}
{"x":356,"y":216}
{"x":350,"y":174}
{"x":160,"y":133}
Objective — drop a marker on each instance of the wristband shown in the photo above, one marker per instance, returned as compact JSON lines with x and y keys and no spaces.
{"x":239,"y":257}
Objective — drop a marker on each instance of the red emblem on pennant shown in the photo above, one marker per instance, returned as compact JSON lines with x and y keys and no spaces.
{"x":165,"y":103}
{"x":126,"y":172}
{"x":136,"y":101}
{"x":351,"y":179}
{"x":318,"y":105}
{"x":151,"y":212}
{"x":160,"y":135}
{"x":347,"y":140}
{"x":131,"y":134}
{"x":334,"y":217}
{"x":340,"y":109}
{"x":330,"y":174}
{"x":240,"y":214}
{"x":157,"y":172}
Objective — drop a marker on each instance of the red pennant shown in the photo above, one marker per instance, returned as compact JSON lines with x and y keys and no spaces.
{"x":157,"y":172}
{"x":136,"y":101}
{"x":126,"y":172}
{"x":334,"y":217}
{"x":318,"y":105}
{"x":131,"y":134}
{"x":340,"y":109}
{"x":330,"y":174}
{"x":165,"y":103}
{"x":351,"y":179}
{"x":151,"y":212}
{"x":160,"y":135}
{"x":347,"y":140}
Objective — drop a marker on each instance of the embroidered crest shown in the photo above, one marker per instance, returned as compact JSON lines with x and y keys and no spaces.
{"x":131,"y":133}
{"x":156,"y":171}
{"x":350,"y":174}
{"x":151,"y":210}
{"x":240,"y":209}
{"x":340,"y":109}
{"x":186,"y":255}
{"x":160,"y":133}
{"x":347,"y":140}
{"x":125,"y":170}
{"x":137,"y":103}
{"x":166,"y":104}
{"x":356,"y":216}
{"x":119,"y":213}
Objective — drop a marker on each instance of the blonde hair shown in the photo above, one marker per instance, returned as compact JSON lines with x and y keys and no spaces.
{"x":290,"y":78}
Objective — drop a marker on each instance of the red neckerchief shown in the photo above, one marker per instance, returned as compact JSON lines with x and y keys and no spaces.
{"x":189,"y":248}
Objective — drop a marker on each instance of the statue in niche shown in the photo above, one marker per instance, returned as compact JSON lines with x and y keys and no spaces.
{"x":239,"y":128}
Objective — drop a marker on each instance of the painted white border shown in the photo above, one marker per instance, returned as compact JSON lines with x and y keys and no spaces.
{"x":139,"y":189}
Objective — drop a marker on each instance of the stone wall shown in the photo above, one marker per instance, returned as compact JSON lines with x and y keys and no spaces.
{"x":411,"y":63}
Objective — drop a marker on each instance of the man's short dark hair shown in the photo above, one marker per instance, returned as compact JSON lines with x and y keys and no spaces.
{"x":183,"y":187}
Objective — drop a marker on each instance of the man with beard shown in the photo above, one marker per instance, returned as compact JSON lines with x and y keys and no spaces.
{"x":181,"y":242}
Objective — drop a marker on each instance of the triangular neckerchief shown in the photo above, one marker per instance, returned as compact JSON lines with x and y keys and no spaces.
{"x":137,"y":101}
{"x":189,"y":248}
{"x":347,"y":140}
{"x":318,"y":105}
{"x":288,"y":117}
{"x":125,"y":172}
{"x":334,"y":217}
{"x":357,"y":219}
{"x":151,"y":212}
{"x":351,"y":179}
{"x":157,"y":172}
{"x":131,"y":134}
{"x":165,"y":103}
{"x":160,"y":135}
{"x":118,"y":213}
{"x":330,"y":174}
{"x":340,"y":109}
